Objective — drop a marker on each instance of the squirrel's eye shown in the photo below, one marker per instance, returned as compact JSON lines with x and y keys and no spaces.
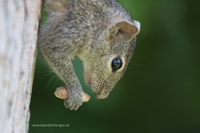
{"x":116,"y":64}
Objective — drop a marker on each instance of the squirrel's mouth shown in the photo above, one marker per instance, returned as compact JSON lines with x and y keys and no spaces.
{"x":102,"y":95}
{"x":98,"y":86}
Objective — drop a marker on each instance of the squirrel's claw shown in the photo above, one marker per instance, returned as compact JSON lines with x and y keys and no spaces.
{"x":73,"y":102}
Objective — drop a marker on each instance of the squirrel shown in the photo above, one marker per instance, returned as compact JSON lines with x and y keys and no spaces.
{"x":99,"y":32}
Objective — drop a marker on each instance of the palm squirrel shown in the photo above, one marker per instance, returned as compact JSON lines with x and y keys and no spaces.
{"x":100,"y":32}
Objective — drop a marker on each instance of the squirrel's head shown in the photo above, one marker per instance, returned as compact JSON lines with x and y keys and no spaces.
{"x":107,"y":59}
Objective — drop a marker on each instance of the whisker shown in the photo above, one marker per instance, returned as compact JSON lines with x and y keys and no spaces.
{"x":90,"y":91}
{"x":50,"y":81}
{"x":55,"y":82}
{"x":48,"y":74}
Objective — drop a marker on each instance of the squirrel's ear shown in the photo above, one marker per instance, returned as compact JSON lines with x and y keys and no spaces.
{"x":54,"y":6}
{"x":130,"y":30}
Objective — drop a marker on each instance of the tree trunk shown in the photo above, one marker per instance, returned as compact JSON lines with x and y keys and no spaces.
{"x":19,"y":23}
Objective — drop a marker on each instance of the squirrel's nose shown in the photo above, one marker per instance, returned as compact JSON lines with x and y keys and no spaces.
{"x":99,"y":96}
{"x":102,"y":96}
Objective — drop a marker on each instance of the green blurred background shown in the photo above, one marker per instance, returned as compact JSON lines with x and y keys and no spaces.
{"x":160,"y":91}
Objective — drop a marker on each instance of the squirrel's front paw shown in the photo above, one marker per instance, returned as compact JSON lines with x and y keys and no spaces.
{"x":74,"y":101}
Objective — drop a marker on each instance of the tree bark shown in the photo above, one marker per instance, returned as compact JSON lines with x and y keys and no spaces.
{"x":19,"y":24}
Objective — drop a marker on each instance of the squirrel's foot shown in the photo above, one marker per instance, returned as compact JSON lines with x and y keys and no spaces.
{"x":74,"y":101}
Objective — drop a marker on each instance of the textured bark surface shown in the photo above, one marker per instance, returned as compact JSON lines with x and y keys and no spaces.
{"x":19,"y":23}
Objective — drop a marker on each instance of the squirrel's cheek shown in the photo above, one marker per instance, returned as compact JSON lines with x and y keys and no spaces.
{"x":87,"y":77}
{"x":96,"y":87}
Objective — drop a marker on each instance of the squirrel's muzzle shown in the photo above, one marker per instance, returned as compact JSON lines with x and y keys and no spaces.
{"x":103,"y":94}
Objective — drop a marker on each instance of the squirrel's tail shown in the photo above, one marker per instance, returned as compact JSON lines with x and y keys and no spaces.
{"x":53,"y":6}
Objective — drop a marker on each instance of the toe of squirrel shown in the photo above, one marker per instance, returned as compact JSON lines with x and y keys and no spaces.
{"x":62,"y":93}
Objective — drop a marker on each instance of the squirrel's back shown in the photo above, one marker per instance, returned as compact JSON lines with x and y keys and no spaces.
{"x":86,"y":14}
{"x":79,"y":22}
